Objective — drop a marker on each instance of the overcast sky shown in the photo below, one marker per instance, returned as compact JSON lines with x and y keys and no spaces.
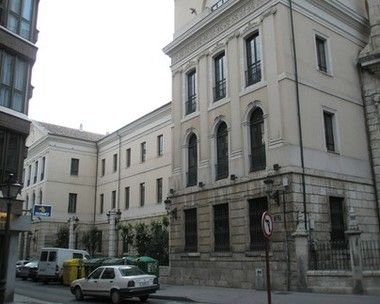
{"x":100,"y":63}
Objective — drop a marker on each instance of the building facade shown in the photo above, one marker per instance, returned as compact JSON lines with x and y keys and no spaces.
{"x":267,"y":114}
{"x":88,"y":178}
{"x":18,"y":35}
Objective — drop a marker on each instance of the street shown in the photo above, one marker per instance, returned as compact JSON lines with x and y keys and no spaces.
{"x":59,"y":294}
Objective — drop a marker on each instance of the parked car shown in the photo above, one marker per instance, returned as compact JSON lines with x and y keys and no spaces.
{"x":20,"y":263}
{"x":116,"y":282}
{"x":29,"y":271}
{"x":50,"y":266}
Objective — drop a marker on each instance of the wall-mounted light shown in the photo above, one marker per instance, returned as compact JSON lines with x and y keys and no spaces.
{"x":201,"y":184}
{"x":171,"y":191}
{"x":276,"y":167}
{"x":169,"y":210}
{"x":233,"y":177}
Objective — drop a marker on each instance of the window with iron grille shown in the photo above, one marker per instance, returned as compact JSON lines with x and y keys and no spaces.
{"x":142,"y":194}
{"x":101,"y":209}
{"x":257,"y":157}
{"x":321,"y":53}
{"x":35,"y":172}
{"x":220,"y":80}
{"x":127,"y":197}
{"x":329,"y":130}
{"x":103,"y":166}
{"x":114,"y":162}
{"x":222,"y":151}
{"x":160,"y":145}
{"x":192,"y":161}
{"x":72,"y":203}
{"x":191,"y":230}
{"x":221,"y":228}
{"x":257,"y":207}
{"x":253,"y":52}
{"x":337,"y":220}
{"x":74,"y":167}
{"x":19,"y":15}
{"x":191,"y":92}
{"x":143,"y":152}
{"x":128,"y":158}
{"x":13,"y":81}
{"x":159,"y":190}
{"x":113,"y":199}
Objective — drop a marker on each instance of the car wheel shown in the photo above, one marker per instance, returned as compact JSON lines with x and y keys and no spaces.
{"x":115,"y":297}
{"x":78,"y":293}
{"x":144,"y":298}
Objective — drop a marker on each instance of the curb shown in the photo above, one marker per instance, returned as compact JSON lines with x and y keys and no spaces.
{"x":172,"y":298}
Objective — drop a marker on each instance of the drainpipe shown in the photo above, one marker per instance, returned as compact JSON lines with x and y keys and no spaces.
{"x":119,"y":177}
{"x":298,"y":112}
{"x":96,"y":181}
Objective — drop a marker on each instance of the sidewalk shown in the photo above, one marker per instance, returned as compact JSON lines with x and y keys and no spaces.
{"x":218,"y":295}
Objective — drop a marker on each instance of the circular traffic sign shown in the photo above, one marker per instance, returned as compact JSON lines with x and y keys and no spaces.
{"x":267,"y":224}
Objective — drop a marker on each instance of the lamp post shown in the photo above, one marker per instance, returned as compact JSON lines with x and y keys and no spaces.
{"x":113,"y":218}
{"x":9,"y":190}
{"x":73,"y":224}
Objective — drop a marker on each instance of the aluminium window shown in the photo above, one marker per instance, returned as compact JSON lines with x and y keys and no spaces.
{"x":72,"y":208}
{"x":219,"y":77}
{"x":142,"y":194}
{"x":191,"y":230}
{"x":221,"y":228}
{"x":74,"y":169}
{"x":329,"y":131}
{"x":19,"y":17}
{"x":257,"y":207}
{"x":190,"y":105}
{"x":253,"y":59}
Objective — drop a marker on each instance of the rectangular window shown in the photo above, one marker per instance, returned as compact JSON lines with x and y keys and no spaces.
{"x":159,"y":190}
{"x":74,"y":170}
{"x":321,"y":53}
{"x":221,"y":228}
{"x":142,"y":194}
{"x":13,"y":81}
{"x":143,"y":152}
{"x":103,"y":166}
{"x":128,"y":158}
{"x":114,"y":162}
{"x":127,"y":197}
{"x":220,"y":80}
{"x":329,"y":131}
{"x":35,"y":172}
{"x":29,"y":174}
{"x":337,"y":222}
{"x":191,"y":230}
{"x":41,"y":198}
{"x":257,"y":207}
{"x":191,"y":92}
{"x":253,"y":52}
{"x":113,"y":200}
{"x":19,"y":17}
{"x":43,"y":168}
{"x":101,"y":209}
{"x":72,"y":203}
{"x":160,"y":145}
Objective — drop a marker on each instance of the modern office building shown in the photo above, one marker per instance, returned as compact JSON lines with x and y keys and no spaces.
{"x":268,"y":114}
{"x":18,"y":35}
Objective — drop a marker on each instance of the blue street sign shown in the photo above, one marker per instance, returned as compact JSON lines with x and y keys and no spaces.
{"x":42,"y":210}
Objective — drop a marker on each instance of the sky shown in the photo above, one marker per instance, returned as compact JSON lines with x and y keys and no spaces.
{"x":100,"y":63}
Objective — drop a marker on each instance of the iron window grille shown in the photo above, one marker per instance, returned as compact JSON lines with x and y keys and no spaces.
{"x":220,"y":81}
{"x":220,"y":89}
{"x":191,"y":104}
{"x":191,"y":175}
{"x":253,"y":51}
{"x":191,"y":232}
{"x":221,"y":228}
{"x":72,"y":208}
{"x":258,"y":153}
{"x":337,"y":235}
{"x":222,"y":152}
{"x":257,"y":207}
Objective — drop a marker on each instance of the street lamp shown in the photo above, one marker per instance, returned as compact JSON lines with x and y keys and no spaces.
{"x":9,"y":190}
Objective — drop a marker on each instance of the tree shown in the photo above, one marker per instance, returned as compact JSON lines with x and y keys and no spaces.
{"x":142,"y":239}
{"x":92,"y":240}
{"x":127,"y":235}
{"x":159,"y":241}
{"x":62,"y":240}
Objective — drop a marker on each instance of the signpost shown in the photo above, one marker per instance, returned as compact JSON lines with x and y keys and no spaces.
{"x":42,"y":211}
{"x":267,"y":226}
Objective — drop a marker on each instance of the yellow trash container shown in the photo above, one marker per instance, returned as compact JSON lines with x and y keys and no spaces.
{"x":73,"y":269}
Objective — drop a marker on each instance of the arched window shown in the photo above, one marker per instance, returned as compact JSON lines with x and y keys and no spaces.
{"x":222,"y":151}
{"x":192,"y":161}
{"x":257,"y":157}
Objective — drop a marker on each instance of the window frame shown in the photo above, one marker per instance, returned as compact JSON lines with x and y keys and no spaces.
{"x":142,"y":194}
{"x":259,"y":150}
{"x":101,"y":203}
{"x":337,"y":236}
{"x":113,"y":199}
{"x":35,"y":176}
{"x":72,"y":204}
{"x":160,"y":145}
{"x":335,"y":126}
{"x":327,"y":54}
{"x":114,"y":163}
{"x":222,"y":152}
{"x":21,"y":19}
{"x":127,"y":197}
{"x":219,"y":83}
{"x":159,"y":188}
{"x":103,"y":166}
{"x":253,"y":60}
{"x":43,"y":168}
{"x":191,"y":91}
{"x":223,"y":236}
{"x":143,"y":152}
{"x":74,"y":167}
{"x":257,"y":241}
{"x":128,"y":157}
{"x":192,"y":157}
{"x":191,"y":230}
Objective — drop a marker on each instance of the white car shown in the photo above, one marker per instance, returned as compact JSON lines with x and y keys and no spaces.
{"x":116,"y":282}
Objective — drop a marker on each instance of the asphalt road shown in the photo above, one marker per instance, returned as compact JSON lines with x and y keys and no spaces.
{"x":59,"y":294}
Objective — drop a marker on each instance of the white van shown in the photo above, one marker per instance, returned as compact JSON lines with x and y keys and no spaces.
{"x":50,"y":265}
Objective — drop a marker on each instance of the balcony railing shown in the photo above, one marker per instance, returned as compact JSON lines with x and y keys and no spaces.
{"x":221,"y":170}
{"x":191,"y":104}
{"x":329,"y":256}
{"x":191,"y":177}
{"x":253,"y":73}
{"x":220,"y":89}
{"x":258,"y":158}
{"x":218,"y":4}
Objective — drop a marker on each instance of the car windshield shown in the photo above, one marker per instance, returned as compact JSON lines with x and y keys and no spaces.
{"x":126,"y":272}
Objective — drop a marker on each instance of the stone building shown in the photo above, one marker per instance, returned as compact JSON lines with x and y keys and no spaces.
{"x":89,"y":178}
{"x":268,"y":114}
{"x":18,"y":36}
